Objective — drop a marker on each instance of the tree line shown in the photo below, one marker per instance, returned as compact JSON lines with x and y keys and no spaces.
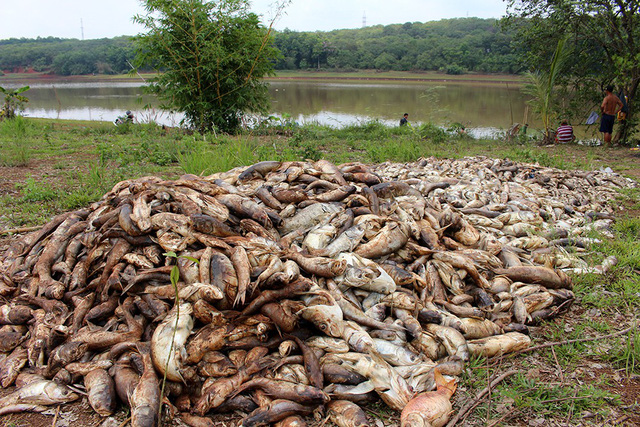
{"x":67,"y":57}
{"x":454,"y":46}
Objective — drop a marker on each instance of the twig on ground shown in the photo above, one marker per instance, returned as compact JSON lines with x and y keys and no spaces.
{"x":20,"y":230}
{"x":125,"y":422}
{"x":573,"y":405}
{"x":55,"y":418}
{"x":556,"y":343}
{"x":480,"y":396}
{"x":558,"y":365}
{"x":502,"y":418}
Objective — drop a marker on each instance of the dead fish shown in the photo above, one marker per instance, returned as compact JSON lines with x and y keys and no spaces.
{"x":15,"y":314}
{"x":145,"y":398}
{"x":392,"y":237}
{"x":246,"y":208}
{"x":431,"y":409}
{"x":554,"y":279}
{"x":286,"y":390}
{"x":277,"y":410}
{"x":196,"y":421}
{"x":308,"y":217}
{"x":323,"y":267}
{"x":395,"y":354}
{"x":167,"y":344}
{"x":126,"y":379}
{"x":101,"y":392}
{"x":453,"y":341}
{"x":499,"y":344}
{"x":11,"y":336}
{"x":346,"y":414}
{"x":258,"y":170}
{"x":292,"y":421}
{"x":42,"y":392}
{"x":83,"y":368}
{"x":210,"y":338}
{"x":242,"y":268}
{"x":10,"y":367}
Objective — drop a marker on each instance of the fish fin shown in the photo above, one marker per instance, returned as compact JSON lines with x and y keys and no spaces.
{"x":442,"y":383}
{"x":239,"y":299}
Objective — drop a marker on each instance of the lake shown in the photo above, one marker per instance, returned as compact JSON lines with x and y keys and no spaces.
{"x":482,"y":108}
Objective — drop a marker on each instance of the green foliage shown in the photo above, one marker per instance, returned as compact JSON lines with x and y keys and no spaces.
{"x":454,"y":70}
{"x":12,"y":102}
{"x":212,"y":57}
{"x":33,"y":191}
{"x":540,"y":87}
{"x":451,"y":45}
{"x":602,"y":35}
{"x":546,"y":399}
{"x":14,"y":145}
{"x":455,"y":45}
{"x":625,"y":354}
{"x":67,"y":56}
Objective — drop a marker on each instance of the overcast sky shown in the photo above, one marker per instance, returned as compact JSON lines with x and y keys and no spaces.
{"x":101,"y":18}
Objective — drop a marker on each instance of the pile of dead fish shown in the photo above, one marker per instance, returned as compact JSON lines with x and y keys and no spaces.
{"x":302,"y":288}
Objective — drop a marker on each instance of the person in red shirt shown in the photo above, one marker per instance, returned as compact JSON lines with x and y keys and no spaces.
{"x":610,"y":106}
{"x":564,"y":134}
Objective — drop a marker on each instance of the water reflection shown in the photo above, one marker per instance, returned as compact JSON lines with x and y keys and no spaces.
{"x":485,"y":108}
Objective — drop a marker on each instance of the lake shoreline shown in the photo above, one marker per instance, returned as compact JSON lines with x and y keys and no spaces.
{"x":392,"y":76}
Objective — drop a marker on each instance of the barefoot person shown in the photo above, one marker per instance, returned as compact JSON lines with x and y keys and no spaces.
{"x":611,"y":104}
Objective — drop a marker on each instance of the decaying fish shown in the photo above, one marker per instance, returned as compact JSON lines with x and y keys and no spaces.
{"x":346,"y":414}
{"x":296,"y":282}
{"x":101,"y":391}
{"x":430,"y":409}
{"x":40,"y":393}
{"x":169,"y":338}
{"x":145,"y":398}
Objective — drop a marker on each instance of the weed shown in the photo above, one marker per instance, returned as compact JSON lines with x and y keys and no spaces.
{"x":33,"y":191}
{"x":544,"y":399}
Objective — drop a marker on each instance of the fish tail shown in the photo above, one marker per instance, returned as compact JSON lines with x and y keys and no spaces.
{"x":442,"y":383}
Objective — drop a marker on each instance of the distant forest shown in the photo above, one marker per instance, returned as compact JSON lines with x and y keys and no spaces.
{"x":453,"y":46}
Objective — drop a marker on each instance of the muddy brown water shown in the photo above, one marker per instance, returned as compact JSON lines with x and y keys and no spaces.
{"x":486,"y":108}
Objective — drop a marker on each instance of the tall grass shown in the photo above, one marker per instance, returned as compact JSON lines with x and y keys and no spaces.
{"x":14,"y":146}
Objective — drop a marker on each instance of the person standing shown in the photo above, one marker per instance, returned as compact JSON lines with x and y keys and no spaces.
{"x":610,"y":106}
{"x":404,"y":120}
{"x":564,"y":134}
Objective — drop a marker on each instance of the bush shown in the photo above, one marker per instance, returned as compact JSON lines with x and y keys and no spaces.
{"x":455,"y":70}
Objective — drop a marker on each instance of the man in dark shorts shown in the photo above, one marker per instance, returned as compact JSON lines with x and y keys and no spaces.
{"x":611,"y":104}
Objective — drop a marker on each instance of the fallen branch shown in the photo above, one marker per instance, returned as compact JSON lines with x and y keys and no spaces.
{"x":557,"y":343}
{"x":479,"y":397}
{"x":20,"y":230}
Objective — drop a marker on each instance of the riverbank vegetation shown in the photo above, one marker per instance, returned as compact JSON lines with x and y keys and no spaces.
{"x":452,"y":46}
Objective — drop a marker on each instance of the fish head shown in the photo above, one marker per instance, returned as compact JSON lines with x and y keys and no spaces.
{"x":59,"y":393}
{"x":414,"y":419}
{"x":327,"y":318}
{"x":358,"y":276}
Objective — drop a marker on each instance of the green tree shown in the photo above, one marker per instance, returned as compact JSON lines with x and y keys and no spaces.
{"x":211,"y":57}
{"x":604,"y":35}
{"x":13,"y":102}
{"x":540,"y":86}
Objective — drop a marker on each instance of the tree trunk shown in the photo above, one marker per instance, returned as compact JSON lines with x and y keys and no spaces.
{"x":624,"y":130}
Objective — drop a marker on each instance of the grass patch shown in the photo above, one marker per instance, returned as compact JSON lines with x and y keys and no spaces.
{"x":33,"y":191}
{"x":543,"y":399}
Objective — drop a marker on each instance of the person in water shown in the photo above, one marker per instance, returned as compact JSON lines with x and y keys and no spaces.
{"x":405,"y":119}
